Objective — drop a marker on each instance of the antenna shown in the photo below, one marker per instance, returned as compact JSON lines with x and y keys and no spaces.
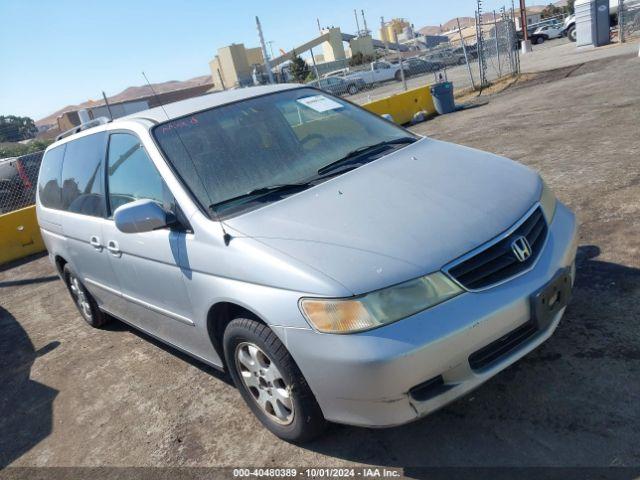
{"x":106,"y":102}
{"x":225,"y":235}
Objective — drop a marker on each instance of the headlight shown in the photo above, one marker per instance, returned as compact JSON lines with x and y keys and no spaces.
{"x":547,"y":202}
{"x":380,"y":307}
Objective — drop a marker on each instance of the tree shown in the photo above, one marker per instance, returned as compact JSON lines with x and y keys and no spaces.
{"x":551,"y":11}
{"x":15,"y":129}
{"x":299,"y":68}
{"x":570,"y":8}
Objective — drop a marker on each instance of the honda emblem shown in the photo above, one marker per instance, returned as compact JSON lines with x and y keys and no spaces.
{"x":521,"y":248}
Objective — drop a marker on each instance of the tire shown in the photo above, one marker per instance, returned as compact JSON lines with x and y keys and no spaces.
{"x":571,"y":33}
{"x":398,"y":76}
{"x":539,"y":40}
{"x":462,"y":61}
{"x":84,"y":302}
{"x":352,"y":89}
{"x":280,"y":397}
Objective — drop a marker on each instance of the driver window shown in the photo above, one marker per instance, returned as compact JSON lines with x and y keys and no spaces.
{"x":131,"y":174}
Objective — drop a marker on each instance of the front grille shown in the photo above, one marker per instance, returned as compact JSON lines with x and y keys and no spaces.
{"x":498,"y":261}
{"x":500,"y":347}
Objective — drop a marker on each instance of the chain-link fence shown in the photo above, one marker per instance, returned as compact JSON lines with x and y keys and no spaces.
{"x":18,"y":181}
{"x":628,"y":19}
{"x":471,"y":56}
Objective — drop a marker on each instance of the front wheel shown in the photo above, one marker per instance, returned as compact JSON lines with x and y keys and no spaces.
{"x":398,"y":76}
{"x":352,"y":89}
{"x":539,"y":40}
{"x":270,"y":382}
{"x":571,"y":33}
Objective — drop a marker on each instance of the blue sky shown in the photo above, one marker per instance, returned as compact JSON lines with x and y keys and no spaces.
{"x":55,"y":53}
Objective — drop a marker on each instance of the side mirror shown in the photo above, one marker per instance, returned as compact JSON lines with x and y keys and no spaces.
{"x":141,"y":216}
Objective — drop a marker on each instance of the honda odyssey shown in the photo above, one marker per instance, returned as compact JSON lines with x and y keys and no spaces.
{"x":338,"y":266}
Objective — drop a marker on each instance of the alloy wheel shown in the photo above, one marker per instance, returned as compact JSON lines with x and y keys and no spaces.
{"x":79,"y":296}
{"x":264,"y":381}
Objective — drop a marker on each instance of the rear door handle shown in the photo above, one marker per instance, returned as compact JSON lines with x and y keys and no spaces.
{"x":113,"y":247}
{"x":95,"y":242}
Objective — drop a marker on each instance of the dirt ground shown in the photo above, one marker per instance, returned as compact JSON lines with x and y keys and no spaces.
{"x":74,"y":396}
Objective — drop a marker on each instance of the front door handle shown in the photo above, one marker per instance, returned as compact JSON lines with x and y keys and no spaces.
{"x":113,"y":247}
{"x":95,"y":242}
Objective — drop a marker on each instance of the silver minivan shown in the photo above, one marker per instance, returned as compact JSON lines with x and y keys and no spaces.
{"x":338,"y":266}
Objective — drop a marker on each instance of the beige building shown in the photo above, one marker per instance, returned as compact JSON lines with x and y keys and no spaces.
{"x":233,"y":65}
{"x":332,"y":47}
{"x":362,"y":44}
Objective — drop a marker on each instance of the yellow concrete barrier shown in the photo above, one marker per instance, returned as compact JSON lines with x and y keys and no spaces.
{"x":403,"y":106}
{"x":19,"y":234}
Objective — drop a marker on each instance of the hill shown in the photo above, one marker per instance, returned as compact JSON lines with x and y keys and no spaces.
{"x":469,"y":21}
{"x":129,"y":93}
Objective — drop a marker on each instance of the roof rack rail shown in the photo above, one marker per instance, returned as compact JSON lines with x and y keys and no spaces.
{"x":83,"y":126}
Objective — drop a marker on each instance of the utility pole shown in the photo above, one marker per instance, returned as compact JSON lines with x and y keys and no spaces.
{"x":466,"y":58}
{"x":526,"y":43}
{"x":621,"y":38}
{"x":270,"y":42}
{"x":315,"y":67}
{"x":355,"y":14}
{"x":267,"y":63}
{"x":319,"y":29}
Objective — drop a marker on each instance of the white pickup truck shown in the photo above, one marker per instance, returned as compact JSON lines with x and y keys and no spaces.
{"x":379,"y":71}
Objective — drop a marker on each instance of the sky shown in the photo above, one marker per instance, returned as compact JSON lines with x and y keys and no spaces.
{"x":54,"y":53}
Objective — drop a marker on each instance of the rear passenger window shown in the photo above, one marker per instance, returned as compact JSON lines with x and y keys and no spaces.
{"x":49,"y":185}
{"x":83,"y":176}
{"x":131,"y":173}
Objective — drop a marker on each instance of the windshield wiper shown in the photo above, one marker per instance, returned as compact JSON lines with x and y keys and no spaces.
{"x":356,"y":156}
{"x":259,"y":192}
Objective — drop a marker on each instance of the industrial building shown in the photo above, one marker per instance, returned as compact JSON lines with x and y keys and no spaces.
{"x":233,"y":65}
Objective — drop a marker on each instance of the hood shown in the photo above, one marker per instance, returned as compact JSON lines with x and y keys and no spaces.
{"x":399,"y":217}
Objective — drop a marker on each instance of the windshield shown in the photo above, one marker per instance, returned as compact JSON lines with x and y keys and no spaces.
{"x":277,"y":139}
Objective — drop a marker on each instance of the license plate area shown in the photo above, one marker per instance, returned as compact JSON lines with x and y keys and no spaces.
{"x":550,"y":299}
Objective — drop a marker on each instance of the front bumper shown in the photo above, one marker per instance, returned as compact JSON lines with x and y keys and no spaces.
{"x":364,"y":379}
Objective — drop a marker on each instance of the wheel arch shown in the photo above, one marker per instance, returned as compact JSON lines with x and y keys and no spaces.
{"x":219,"y":316}
{"x":60,"y":262}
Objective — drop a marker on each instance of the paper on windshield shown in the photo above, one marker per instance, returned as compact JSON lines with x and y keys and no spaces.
{"x":319,"y":103}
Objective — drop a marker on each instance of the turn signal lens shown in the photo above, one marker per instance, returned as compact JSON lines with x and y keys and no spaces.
{"x":380,"y":307}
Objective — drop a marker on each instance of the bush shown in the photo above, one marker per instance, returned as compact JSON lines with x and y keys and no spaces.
{"x":17,"y":149}
{"x":359,"y":59}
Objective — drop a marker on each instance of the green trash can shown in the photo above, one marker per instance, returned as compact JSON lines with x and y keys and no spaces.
{"x":442,"y":94}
